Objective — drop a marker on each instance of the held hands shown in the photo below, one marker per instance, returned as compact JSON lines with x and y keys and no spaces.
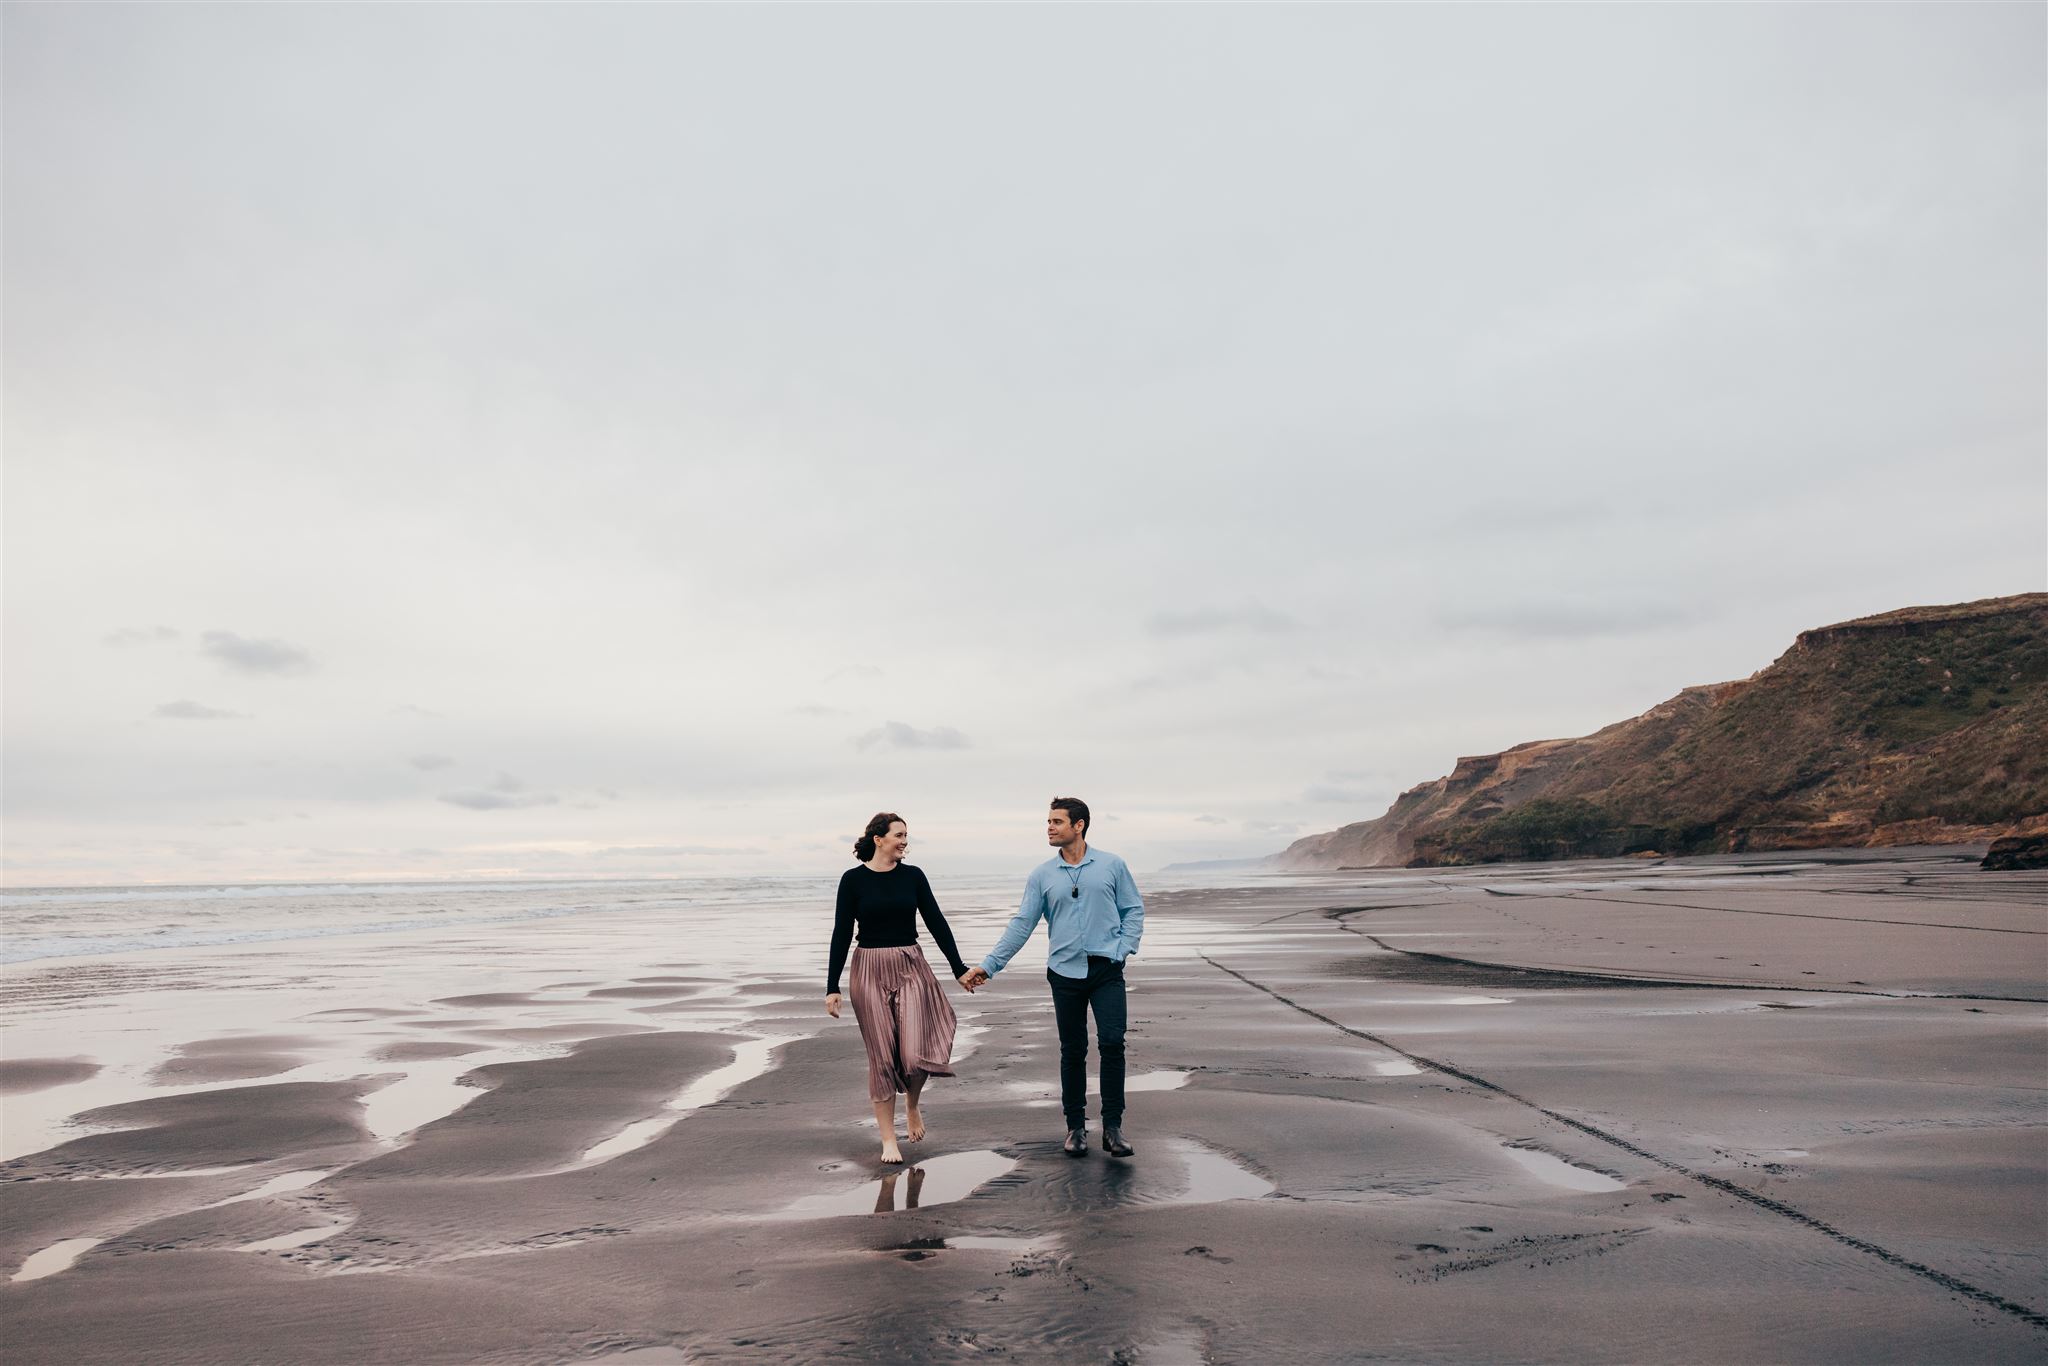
{"x":973,"y":978}
{"x":832,"y":1005}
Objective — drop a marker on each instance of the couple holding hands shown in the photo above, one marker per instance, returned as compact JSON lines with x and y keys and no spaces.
{"x":1093,"y":918}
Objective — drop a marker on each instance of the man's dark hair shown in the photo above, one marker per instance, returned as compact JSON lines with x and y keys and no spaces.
{"x":1076,"y":809}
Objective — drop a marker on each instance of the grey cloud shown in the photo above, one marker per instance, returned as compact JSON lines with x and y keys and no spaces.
{"x":1175,"y":678}
{"x":408,"y":709}
{"x":896,"y":735}
{"x":427,"y":763}
{"x":1272,"y":827}
{"x":196,"y":711}
{"x":141,"y":635}
{"x":853,"y":671}
{"x":498,"y":801}
{"x":1571,"y":618}
{"x":1334,"y":795}
{"x":1252,"y":617}
{"x":818,"y":709}
{"x":505,"y":793}
{"x":248,"y":656}
{"x":1212,"y":820}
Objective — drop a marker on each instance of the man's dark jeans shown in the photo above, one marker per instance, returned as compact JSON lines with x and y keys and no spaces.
{"x":1103,"y":989}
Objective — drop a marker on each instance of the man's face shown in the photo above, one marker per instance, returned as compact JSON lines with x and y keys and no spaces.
{"x":1060,"y":831}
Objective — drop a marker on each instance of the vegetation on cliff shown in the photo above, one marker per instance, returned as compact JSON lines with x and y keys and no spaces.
{"x":1920,"y":726}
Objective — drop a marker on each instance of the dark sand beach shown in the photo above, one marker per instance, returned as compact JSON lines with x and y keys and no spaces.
{"x":1761,"y":1109}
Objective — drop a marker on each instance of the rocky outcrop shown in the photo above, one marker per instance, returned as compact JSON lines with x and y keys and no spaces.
{"x":1922,"y":726}
{"x":2014,"y":853}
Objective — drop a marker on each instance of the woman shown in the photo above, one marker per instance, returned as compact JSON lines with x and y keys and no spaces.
{"x":905,"y":1020}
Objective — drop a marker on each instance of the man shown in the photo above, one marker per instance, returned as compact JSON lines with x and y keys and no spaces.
{"x":1093,"y":917}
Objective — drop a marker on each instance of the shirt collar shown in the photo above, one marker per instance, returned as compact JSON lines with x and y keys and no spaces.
{"x":1060,"y":861}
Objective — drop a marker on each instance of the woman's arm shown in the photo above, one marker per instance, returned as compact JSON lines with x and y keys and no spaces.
{"x":842,"y":935}
{"x":935,"y":921}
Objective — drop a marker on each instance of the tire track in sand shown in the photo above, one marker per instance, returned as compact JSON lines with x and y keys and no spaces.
{"x":1954,"y":1284}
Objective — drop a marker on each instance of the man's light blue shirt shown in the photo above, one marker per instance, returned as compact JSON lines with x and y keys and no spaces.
{"x":1105,"y":920}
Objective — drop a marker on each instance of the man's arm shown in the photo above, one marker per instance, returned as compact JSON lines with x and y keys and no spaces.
{"x":1130,"y":912}
{"x":1021,"y":925}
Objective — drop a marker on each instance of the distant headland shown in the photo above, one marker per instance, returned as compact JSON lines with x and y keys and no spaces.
{"x":1928,"y":725}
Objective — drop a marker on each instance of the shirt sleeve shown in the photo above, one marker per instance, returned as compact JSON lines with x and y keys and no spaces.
{"x":1130,"y":912}
{"x":842,"y":935}
{"x":1021,"y":925}
{"x":935,"y":921}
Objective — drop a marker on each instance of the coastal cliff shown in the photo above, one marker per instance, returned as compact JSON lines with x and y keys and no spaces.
{"x":1922,"y":726}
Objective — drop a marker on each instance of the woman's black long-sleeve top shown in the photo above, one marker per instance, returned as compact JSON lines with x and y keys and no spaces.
{"x":885,"y":906}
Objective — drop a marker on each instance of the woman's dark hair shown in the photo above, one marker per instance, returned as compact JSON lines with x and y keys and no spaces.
{"x":864,"y":847}
{"x":1076,"y":809}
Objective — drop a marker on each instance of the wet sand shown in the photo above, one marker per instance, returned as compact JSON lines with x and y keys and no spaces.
{"x":1737,"y":1110}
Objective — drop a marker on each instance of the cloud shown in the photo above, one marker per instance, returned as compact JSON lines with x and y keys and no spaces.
{"x":1336,"y":795}
{"x":408,"y":709}
{"x":505,"y":793}
{"x":666,"y":851}
{"x":498,"y":801}
{"x":818,"y":709}
{"x":1212,"y":820}
{"x":896,"y":735}
{"x":1272,"y":827}
{"x":141,"y":635}
{"x":427,"y":763}
{"x":853,"y":671}
{"x":244,"y":655}
{"x":1571,"y":618}
{"x":1191,"y":677}
{"x":196,"y":711}
{"x":1203,"y":621}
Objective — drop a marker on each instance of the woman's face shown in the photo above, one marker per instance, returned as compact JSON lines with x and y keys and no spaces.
{"x":891,"y":843}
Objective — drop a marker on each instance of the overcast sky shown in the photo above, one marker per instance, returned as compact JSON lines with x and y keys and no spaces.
{"x":450,"y":440}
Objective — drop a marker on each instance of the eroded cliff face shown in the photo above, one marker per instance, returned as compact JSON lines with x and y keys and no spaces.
{"x":1926,"y":725}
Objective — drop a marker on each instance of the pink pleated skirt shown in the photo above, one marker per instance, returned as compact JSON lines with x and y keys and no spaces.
{"x":905,"y":1019}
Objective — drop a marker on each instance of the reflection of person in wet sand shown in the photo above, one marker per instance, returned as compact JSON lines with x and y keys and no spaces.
{"x":885,"y":1199}
{"x":905,"y":1019}
{"x":1093,"y":918}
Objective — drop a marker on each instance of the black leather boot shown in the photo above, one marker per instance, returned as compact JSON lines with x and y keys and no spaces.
{"x":1076,"y":1144}
{"x":1113,"y":1142}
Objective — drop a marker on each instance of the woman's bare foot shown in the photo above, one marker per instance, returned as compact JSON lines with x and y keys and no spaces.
{"x":891,"y":1153}
{"x":913,"y":1125}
